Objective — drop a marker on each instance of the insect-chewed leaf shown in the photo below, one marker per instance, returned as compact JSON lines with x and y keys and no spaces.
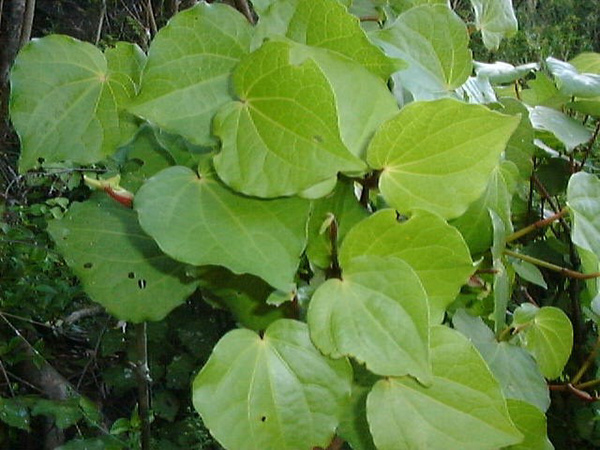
{"x":273,"y":392}
{"x":120,"y":266}
{"x":435,"y":250}
{"x":67,"y":99}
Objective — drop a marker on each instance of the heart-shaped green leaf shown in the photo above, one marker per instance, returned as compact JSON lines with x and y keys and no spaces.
{"x":282,"y":137}
{"x":378,"y":314}
{"x":73,"y":111}
{"x":464,"y":395}
{"x":566,"y":129}
{"x":435,"y":250}
{"x":205,"y":43}
{"x":548,"y":334}
{"x":119,"y":265}
{"x":327,"y":24}
{"x":571,"y":82}
{"x":201,"y":222}
{"x":438,"y":155}
{"x":434,"y":42}
{"x":495,"y":19}
{"x":271,"y":392}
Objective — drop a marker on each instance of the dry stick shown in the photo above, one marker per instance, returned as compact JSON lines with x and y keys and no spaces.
{"x":536,"y":225}
{"x":143,"y":374}
{"x":27,"y":23}
{"x":563,"y":270}
{"x":588,"y":149}
{"x":151,"y":19}
{"x":100,"y":22}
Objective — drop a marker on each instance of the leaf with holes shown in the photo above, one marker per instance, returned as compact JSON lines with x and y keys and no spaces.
{"x":463,"y":396}
{"x":378,"y":314}
{"x":67,"y":100}
{"x":190,"y":61}
{"x":202,"y":223}
{"x":119,"y":265}
{"x":435,"y":250}
{"x":271,"y":392}
{"x":432,"y":151}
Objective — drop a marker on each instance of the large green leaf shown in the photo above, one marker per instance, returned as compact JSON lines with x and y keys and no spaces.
{"x":495,"y":19}
{"x":188,"y":73}
{"x":531,"y":422}
{"x":282,"y":137}
{"x":566,"y":129}
{"x":475,"y":224}
{"x":438,"y":155}
{"x":583,"y":198}
{"x":548,"y":334}
{"x":462,"y":409}
{"x":67,"y":100}
{"x":435,"y":250}
{"x":271,"y":392}
{"x":571,"y":82}
{"x":378,"y":314}
{"x":197,"y":220}
{"x":327,"y":24}
{"x":119,"y":265}
{"x":341,"y":206}
{"x":512,"y":366}
{"x":434,"y":42}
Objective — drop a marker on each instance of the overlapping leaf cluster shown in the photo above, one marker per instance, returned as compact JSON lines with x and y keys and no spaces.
{"x":246,"y":146}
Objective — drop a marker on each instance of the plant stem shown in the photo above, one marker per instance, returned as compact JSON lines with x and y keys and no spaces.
{"x":587,"y":363}
{"x":588,"y":149}
{"x":536,"y":225}
{"x":143,"y":373}
{"x":334,"y":270}
{"x":538,"y":262}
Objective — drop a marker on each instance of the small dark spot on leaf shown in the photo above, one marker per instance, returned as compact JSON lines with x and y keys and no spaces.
{"x":131,"y":275}
{"x":41,"y":160}
{"x":263,"y":419}
{"x":317,"y":138}
{"x":142,"y":283}
{"x":87,"y":265}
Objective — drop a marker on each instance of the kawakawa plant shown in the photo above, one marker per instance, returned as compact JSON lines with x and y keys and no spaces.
{"x":363,"y":184}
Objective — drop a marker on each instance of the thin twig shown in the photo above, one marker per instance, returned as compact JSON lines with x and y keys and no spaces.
{"x":83,"y":313}
{"x":563,"y":270}
{"x":151,"y":18}
{"x":27,"y":23}
{"x":144,"y":380}
{"x":100,"y":22}
{"x":587,"y":363}
{"x":588,"y":149}
{"x":536,"y":225}
{"x":8,"y":383}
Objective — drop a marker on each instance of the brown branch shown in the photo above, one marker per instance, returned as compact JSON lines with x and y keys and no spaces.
{"x":588,"y":149}
{"x":27,"y":23}
{"x":563,"y":270}
{"x":587,"y":363}
{"x":143,"y":374}
{"x":82,"y":314}
{"x":536,"y":225}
